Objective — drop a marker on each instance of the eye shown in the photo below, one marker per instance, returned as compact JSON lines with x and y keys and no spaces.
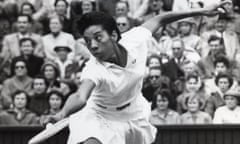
{"x":98,"y":37}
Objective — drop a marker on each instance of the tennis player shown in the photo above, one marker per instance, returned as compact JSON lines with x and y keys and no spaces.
{"x":109,"y":107}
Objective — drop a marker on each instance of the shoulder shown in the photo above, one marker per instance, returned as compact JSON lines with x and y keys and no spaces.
{"x":10,"y":36}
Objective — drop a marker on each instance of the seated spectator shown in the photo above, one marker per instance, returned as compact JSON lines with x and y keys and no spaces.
{"x":51,"y":73}
{"x":63,"y":63}
{"x":34,"y":63}
{"x":162,"y":114}
{"x":57,"y":38}
{"x":185,"y":32}
{"x":154,"y":81}
{"x":206,"y":64}
{"x":55,"y":104}
{"x":19,"y":81}
{"x":221,"y":65}
{"x":224,"y":82}
{"x":194,"y":115}
{"x":19,"y":114}
{"x":11,"y":41}
{"x":28,"y":9}
{"x":77,"y":9}
{"x":193,"y":86}
{"x":122,"y":9}
{"x":155,"y":7}
{"x":229,"y":113}
{"x":153,"y":60}
{"x":5,"y":24}
{"x":38,"y":100}
{"x":173,"y":68}
{"x":229,"y":38}
{"x":123,"y":24}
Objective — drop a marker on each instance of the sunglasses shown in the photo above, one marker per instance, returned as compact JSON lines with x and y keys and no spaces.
{"x":19,"y":67}
{"x":152,"y":77}
{"x":121,"y":24}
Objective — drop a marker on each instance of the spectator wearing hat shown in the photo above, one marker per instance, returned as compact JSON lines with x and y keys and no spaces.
{"x":57,"y":38}
{"x":66,"y":66}
{"x":51,"y":73}
{"x":34,"y":63}
{"x":229,"y":38}
{"x":185,"y":32}
{"x":230,"y":112}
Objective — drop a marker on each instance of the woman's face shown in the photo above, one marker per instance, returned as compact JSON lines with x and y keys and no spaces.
{"x":154,"y":62}
{"x":87,"y":6}
{"x":78,"y":78}
{"x":223,"y":84}
{"x":231,"y":102}
{"x":193,"y":105}
{"x":192,"y":85}
{"x":20,"y":101}
{"x":162,"y":103}
{"x":49,"y":72}
{"x":55,"y":101}
{"x":39,"y":85}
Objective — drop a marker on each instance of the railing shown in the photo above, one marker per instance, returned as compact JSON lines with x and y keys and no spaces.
{"x":172,"y":134}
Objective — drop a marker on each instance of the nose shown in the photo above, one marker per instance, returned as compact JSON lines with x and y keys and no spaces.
{"x":94,"y":45}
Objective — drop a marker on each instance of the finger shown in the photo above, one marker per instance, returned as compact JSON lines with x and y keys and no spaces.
{"x":224,"y":2}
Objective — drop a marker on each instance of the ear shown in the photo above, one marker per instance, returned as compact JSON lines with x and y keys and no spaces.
{"x":114,"y":35}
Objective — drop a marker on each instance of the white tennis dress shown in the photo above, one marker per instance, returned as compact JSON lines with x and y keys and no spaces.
{"x":116,"y":112}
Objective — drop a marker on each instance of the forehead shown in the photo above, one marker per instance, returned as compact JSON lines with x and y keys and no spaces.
{"x":22,"y":18}
{"x":20,"y":63}
{"x":155,"y":71}
{"x":122,"y":19}
{"x":92,"y":30}
{"x":177,"y":44}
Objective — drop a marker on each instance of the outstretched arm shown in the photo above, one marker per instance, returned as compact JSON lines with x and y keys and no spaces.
{"x":74,"y":102}
{"x":156,"y":22}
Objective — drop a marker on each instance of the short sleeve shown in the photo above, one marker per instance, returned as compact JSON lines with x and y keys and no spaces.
{"x":136,"y":35}
{"x":91,"y":72}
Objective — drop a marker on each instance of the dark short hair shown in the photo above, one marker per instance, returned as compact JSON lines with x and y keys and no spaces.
{"x":222,"y":59}
{"x":20,"y":92}
{"x":224,"y":75}
{"x":15,"y":61}
{"x":56,"y":1}
{"x":30,"y":20}
{"x":98,"y":18}
{"x":39,"y":77}
{"x":158,"y":57}
{"x":30,"y":5}
{"x":59,"y":94}
{"x":22,"y":40}
{"x":165,"y":93}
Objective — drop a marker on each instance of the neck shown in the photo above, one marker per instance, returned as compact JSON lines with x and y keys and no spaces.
{"x":23,"y":32}
{"x":21,"y":78}
{"x":55,"y":34}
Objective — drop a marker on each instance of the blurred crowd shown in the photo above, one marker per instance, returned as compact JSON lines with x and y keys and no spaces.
{"x":193,"y":66}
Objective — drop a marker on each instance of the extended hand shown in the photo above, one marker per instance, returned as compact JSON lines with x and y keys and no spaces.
{"x":216,"y":8}
{"x":51,"y":118}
